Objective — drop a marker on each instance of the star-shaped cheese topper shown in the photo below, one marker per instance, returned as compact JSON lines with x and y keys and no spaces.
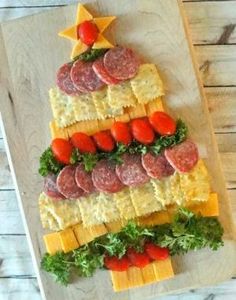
{"x":85,"y":18}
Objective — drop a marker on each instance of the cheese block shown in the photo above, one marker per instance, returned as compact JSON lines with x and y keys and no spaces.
{"x":82,"y":234}
{"x":68,"y":240}
{"x":52,"y":242}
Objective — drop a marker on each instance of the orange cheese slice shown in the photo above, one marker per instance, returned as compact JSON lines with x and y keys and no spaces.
{"x":78,"y":48}
{"x":103,"y":22}
{"x":70,"y":33}
{"x":101,"y":42}
{"x":82,"y":15}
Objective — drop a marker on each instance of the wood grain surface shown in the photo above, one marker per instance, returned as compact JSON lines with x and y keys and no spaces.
{"x":215,"y":29}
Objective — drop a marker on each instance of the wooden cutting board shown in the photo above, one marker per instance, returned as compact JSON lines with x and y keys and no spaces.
{"x":30,"y":54}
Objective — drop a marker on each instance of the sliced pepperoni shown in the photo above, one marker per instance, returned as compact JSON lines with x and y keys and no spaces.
{"x":84,"y":179}
{"x":84,"y":77}
{"x":101,"y":72}
{"x":156,"y":166}
{"x":121,"y":63}
{"x":66,"y":183}
{"x":182,"y":157}
{"x":64,"y":82}
{"x":105,"y":178}
{"x":131,"y":171}
{"x":50,"y":187}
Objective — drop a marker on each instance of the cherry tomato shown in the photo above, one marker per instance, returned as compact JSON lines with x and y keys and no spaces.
{"x":104,"y":141}
{"x":121,"y":133}
{"x":116,"y":264}
{"x":142,"y":131}
{"x":87,"y":32}
{"x":162,"y":123}
{"x":138,"y":259}
{"x":83,"y":142}
{"x":62,"y":150}
{"x":155,"y":252}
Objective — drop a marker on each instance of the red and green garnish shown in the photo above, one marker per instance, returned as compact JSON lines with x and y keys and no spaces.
{"x":136,"y":245}
{"x":107,"y":145}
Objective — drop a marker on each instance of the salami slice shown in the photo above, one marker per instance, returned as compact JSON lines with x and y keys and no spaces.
{"x":156,"y":166}
{"x":105,"y":178}
{"x":64,"y":82}
{"x":131,"y":171}
{"x":121,"y":63}
{"x":99,"y":69}
{"x":66,"y":183}
{"x":182,"y":157}
{"x":50,"y":187}
{"x":84,"y":77}
{"x":84,"y":179}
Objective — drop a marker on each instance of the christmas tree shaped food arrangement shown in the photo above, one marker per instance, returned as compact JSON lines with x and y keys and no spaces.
{"x":124,"y":186}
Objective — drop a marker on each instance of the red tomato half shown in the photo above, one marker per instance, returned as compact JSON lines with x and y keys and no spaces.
{"x":83,"y":142}
{"x":155,"y":252}
{"x":162,"y":123}
{"x":62,"y":150}
{"x":87,"y":32}
{"x":137,"y":259}
{"x":121,"y":133}
{"x":116,"y":264}
{"x":104,"y":141}
{"x":142,"y":131}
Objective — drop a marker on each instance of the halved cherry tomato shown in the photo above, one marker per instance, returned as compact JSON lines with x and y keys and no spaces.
{"x":121,"y":133}
{"x":137,"y":259}
{"x":104,"y":140}
{"x":156,"y":252}
{"x":62,"y":150}
{"x":83,"y":142}
{"x":142,"y":131}
{"x":162,"y":123}
{"x":87,"y":32}
{"x":116,"y":264}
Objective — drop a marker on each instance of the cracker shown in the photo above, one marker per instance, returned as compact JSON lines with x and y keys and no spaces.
{"x":121,"y":95}
{"x":144,"y":200}
{"x":83,"y":106}
{"x":124,"y":204}
{"x":147,"y":84}
{"x":62,"y":109}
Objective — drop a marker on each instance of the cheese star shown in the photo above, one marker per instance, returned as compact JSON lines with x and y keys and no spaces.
{"x":72,"y":32}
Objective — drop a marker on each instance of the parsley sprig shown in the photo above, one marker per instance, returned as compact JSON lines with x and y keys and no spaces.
{"x":48,"y":163}
{"x":91,"y":54}
{"x":187,"y":232}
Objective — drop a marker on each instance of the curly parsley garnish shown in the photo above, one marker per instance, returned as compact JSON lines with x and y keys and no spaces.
{"x":48,"y":163}
{"x":187,"y":232}
{"x":91,"y":54}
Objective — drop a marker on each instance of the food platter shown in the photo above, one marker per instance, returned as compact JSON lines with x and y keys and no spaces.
{"x":159,"y":32}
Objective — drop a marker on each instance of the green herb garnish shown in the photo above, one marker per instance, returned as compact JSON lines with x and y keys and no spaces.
{"x":48,"y":163}
{"x":91,"y":55}
{"x":187,"y":232}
